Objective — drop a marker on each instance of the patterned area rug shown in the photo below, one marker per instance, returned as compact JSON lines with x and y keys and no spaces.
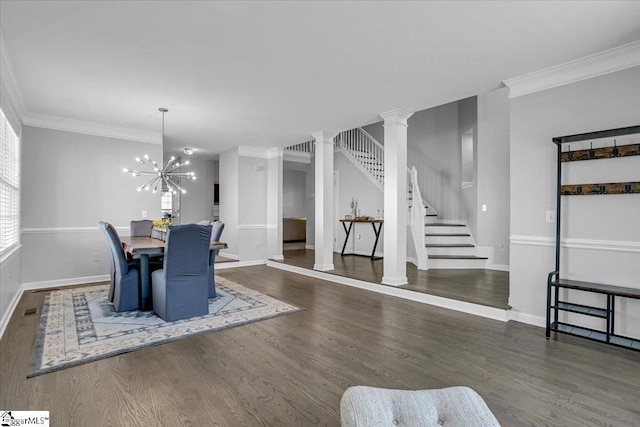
{"x":79,"y":325}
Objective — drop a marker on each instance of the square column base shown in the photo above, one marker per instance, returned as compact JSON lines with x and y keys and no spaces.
{"x":394,"y":281}
{"x":323,"y":267}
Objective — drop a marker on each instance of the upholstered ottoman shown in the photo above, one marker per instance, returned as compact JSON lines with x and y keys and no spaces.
{"x":454,"y":406}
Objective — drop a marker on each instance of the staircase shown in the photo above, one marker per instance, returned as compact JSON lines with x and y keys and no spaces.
{"x":438,"y":244}
{"x":450,"y":245}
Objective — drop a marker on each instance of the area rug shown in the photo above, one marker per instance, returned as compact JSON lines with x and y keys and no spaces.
{"x":78,"y":325}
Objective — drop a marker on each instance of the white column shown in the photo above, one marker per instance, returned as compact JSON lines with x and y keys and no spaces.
{"x":274,"y":203}
{"x":395,"y":197}
{"x":324,"y":201}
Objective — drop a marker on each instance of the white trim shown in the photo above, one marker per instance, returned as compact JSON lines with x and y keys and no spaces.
{"x":586,"y":244}
{"x":10,"y":86}
{"x":228,"y":255}
{"x":122,"y":230}
{"x":311,"y":247}
{"x":394,"y":281}
{"x":247,"y":151}
{"x":462,"y":306}
{"x":297,"y":156}
{"x":227,"y":265}
{"x":257,"y":226}
{"x":598,"y":64}
{"x":11,"y":251}
{"x":4,"y":322}
{"x":362,"y":253}
{"x":278,"y":257}
{"x":529,"y":319}
{"x":498,"y":267}
{"x":90,"y":128}
{"x":59,"y":283}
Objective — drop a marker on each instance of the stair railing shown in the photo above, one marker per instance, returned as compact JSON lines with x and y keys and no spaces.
{"x":417,"y":212}
{"x":365,"y":151}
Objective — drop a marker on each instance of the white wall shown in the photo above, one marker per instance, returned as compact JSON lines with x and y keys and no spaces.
{"x":492,"y":173}
{"x":310,"y":203}
{"x":607,"y":224}
{"x":468,"y":124}
{"x":252,"y":208}
{"x":71,"y":181}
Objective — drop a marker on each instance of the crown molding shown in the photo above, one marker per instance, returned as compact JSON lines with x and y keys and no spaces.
{"x":9,"y":86}
{"x":396,"y":116}
{"x":598,"y":64}
{"x":90,"y":128}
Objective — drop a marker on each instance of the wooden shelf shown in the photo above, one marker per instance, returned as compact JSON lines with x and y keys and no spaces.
{"x":600,"y":188}
{"x":601,"y":153}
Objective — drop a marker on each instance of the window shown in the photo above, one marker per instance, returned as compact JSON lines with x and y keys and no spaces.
{"x":9,"y":185}
{"x":166,"y":204}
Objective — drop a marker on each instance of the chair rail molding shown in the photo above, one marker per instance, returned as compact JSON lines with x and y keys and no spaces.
{"x":585,"y":244}
{"x":122,"y":230}
{"x":601,"y":63}
{"x":90,"y":128}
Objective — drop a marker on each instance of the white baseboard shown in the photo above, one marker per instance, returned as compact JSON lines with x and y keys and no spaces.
{"x":362,"y":253}
{"x":64,"y":282}
{"x":465,"y":307}
{"x":228,"y":265}
{"x":499,"y":267}
{"x":278,"y":257}
{"x":228,"y":255}
{"x":4,"y":322}
{"x":529,"y":319}
{"x":312,"y":247}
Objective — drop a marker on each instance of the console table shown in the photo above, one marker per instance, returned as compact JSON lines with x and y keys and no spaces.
{"x":376,"y":231}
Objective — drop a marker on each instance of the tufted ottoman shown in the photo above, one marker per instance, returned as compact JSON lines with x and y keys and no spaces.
{"x":454,"y":406}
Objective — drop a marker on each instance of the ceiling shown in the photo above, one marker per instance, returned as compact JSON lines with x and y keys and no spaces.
{"x":271,"y":73}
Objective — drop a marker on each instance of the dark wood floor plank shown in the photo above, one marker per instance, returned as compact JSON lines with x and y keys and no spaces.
{"x":478,"y":286}
{"x":292,"y":370}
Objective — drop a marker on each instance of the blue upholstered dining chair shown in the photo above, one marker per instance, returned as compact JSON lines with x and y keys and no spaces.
{"x":125,"y":280}
{"x":180,"y":290}
{"x":141,"y":228}
{"x":216,"y":232}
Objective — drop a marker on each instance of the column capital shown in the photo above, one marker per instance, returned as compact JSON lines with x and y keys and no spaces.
{"x":324,"y":136}
{"x":396,"y":116}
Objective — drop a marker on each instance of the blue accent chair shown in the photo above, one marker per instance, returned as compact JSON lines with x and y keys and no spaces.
{"x":125,"y":282}
{"x":180,"y":290}
{"x":141,"y":228}
{"x":216,"y":231}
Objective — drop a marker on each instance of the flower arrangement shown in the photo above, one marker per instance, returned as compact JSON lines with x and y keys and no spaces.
{"x":162,"y":223}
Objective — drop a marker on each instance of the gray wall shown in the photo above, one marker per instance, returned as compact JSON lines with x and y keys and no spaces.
{"x":352,"y":183}
{"x":434,"y":149}
{"x":71,"y":181}
{"x":197,"y":203}
{"x":228,"y":176}
{"x":294,"y":193}
{"x":468,"y":121}
{"x":606,"y":226}
{"x":492,"y":173}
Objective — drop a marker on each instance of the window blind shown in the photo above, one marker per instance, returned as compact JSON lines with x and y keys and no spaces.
{"x":9,"y":185}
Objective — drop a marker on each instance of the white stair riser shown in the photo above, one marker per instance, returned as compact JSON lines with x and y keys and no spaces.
{"x":458,"y":263}
{"x":451,"y":251}
{"x":430,"y":229}
{"x":449,"y":240}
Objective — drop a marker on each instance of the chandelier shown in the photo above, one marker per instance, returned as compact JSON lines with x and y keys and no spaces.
{"x":162,"y":177}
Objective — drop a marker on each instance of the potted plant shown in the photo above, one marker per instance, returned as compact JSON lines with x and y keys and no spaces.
{"x":159,"y":230}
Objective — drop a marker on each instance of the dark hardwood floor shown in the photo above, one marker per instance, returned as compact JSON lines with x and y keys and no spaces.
{"x":292,"y":370}
{"x":479,"y":286}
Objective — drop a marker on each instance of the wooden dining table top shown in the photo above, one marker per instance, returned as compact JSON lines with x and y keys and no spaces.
{"x":135,"y":245}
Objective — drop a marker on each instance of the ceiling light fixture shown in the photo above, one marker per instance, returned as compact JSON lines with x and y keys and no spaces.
{"x":165,"y":176}
{"x":188,"y":151}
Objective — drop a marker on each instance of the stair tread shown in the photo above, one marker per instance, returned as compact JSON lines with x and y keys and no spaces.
{"x":444,"y":224}
{"x":456,"y":257}
{"x":450,"y":245}
{"x":448,"y":234}
{"x":431,"y":215}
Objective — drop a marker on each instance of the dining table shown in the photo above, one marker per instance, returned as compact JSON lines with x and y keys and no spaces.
{"x":144,"y":248}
